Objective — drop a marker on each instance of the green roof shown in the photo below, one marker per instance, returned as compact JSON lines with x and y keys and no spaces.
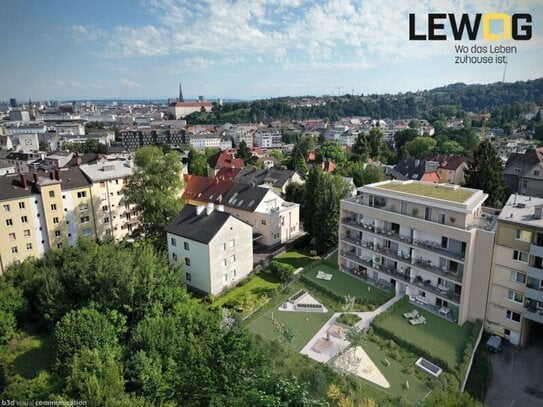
{"x":430,"y":190}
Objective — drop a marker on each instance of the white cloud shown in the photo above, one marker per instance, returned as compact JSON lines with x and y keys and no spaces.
{"x":69,"y":83}
{"x":129,"y":84}
{"x":85,"y":33}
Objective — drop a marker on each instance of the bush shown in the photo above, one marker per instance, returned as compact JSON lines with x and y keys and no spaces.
{"x":284,"y":272}
{"x":348,"y":319}
{"x":8,"y":325}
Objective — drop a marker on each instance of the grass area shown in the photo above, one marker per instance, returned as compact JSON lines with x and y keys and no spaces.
{"x":343,"y":284}
{"x":438,"y":336}
{"x":255,"y":292}
{"x":348,"y":319}
{"x":305,"y":325}
{"x":430,"y":190}
{"x":26,"y":360}
{"x":396,"y":376}
{"x":296,"y":258}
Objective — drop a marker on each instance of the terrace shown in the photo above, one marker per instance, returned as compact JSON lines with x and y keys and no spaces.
{"x":452,"y":193}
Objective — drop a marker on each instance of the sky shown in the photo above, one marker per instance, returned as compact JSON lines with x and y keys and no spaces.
{"x":244,"y":49}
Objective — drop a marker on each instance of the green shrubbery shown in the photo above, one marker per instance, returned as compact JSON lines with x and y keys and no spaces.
{"x":284,"y":272}
{"x":348,"y":319}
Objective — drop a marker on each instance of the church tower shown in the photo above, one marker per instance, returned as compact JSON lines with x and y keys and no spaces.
{"x":180,"y":98}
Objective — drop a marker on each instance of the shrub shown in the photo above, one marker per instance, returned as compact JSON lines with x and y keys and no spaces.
{"x":348,"y":319}
{"x":284,"y":272}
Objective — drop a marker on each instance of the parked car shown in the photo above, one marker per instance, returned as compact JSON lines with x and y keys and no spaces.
{"x":494,"y":344}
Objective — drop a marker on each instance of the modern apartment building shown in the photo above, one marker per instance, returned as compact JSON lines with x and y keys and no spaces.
{"x":515,"y":300}
{"x":432,"y":242}
{"x":215,"y":248}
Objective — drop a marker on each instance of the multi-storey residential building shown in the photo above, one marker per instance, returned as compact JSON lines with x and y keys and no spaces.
{"x":432,"y":242}
{"x":43,"y":211}
{"x":523,"y":173}
{"x":202,"y":141}
{"x":267,"y":139}
{"x":178,"y":110}
{"x":515,"y":300}
{"x":215,"y":248}
{"x":134,"y":139}
{"x":114,"y":217}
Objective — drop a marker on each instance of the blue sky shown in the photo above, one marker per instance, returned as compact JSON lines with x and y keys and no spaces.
{"x":243,"y":49}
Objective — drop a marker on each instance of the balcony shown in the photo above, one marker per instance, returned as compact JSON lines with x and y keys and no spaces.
{"x":534,"y":293}
{"x":536,"y":250}
{"x":441,"y":291}
{"x":441,"y":271}
{"x":368,"y":262}
{"x":451,"y":315}
{"x":533,"y":314}
{"x":535,"y":272}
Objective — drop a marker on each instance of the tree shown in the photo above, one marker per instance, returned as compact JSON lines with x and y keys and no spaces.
{"x":484,"y":172}
{"x":450,"y":399}
{"x":404,"y":136}
{"x":371,"y":174}
{"x":361,"y":149}
{"x":295,"y":192}
{"x":445,"y":146}
{"x":420,"y":147}
{"x":197,"y":164}
{"x":155,"y":189}
{"x":331,"y":150}
{"x":244,"y":152}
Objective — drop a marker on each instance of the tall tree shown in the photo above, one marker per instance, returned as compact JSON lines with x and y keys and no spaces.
{"x":484,"y":172}
{"x":420,"y":147}
{"x":197,"y":163}
{"x":155,"y":189}
{"x":331,"y":150}
{"x":244,"y":152}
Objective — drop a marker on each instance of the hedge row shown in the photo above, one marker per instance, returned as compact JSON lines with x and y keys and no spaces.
{"x":331,"y":294}
{"x":468,"y":350}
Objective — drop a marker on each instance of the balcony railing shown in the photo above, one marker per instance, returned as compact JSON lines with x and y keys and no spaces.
{"x":533,"y":314}
{"x":368,"y":262}
{"x":441,"y":291}
{"x":442,"y":271}
{"x":419,"y":244}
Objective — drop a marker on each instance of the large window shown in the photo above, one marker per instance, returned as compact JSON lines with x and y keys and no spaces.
{"x":512,"y":316}
{"x":520,"y":256}
{"x":524,"y":235}
{"x":517,"y":277}
{"x":21,"y":205}
{"x":173,"y":241}
{"x":188,"y":276}
{"x":187,"y":261}
{"x":24,"y":219}
{"x":186,"y":245}
{"x":515,"y":297}
{"x":84,"y":219}
{"x":81,"y":194}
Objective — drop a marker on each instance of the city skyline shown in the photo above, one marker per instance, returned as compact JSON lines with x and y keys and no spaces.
{"x":242,"y":49}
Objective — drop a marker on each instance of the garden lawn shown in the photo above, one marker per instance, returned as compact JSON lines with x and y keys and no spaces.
{"x":252,"y":291}
{"x":438,"y":336}
{"x":305,"y":324}
{"x":395,"y":376}
{"x":344,"y":284}
{"x":296,"y":258}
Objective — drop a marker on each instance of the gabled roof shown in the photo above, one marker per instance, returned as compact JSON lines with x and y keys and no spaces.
{"x":278,"y":177}
{"x":448,"y":162}
{"x":11,"y":187}
{"x":201,"y":228}
{"x":411,"y":169}
{"x":245,"y":197}
{"x":227,"y":173}
{"x":524,"y":161}
{"x":206,"y":189}
{"x":222,"y":159}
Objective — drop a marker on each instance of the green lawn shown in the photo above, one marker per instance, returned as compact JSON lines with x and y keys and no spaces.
{"x":430,"y":190}
{"x":305,"y":324}
{"x":252,"y":294}
{"x":296,"y":258}
{"x":396,"y":376}
{"x":438,"y":336}
{"x":344,"y":284}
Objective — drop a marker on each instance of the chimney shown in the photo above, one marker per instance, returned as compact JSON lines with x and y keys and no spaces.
{"x":57,"y":174}
{"x":23,"y":181}
{"x":209,"y":208}
{"x":199,"y":210}
{"x":538,"y":211}
{"x":51,"y":175}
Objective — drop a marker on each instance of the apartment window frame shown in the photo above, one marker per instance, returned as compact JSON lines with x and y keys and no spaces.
{"x":222,"y":247}
{"x":9,"y":222}
{"x":174,"y":257}
{"x":232,"y":243}
{"x":21,"y":205}
{"x":12,"y":236}
{"x":55,"y":221}
{"x":188,"y":276}
{"x":173,"y":241}
{"x":515,"y":296}
{"x":57,"y":233}
{"x":54,"y":207}
{"x":82,"y":194}
{"x":26,"y":233}
{"x":523,"y":235}
{"x":223,"y":262}
{"x":24,"y":219}
{"x":84,"y":219}
{"x":29,"y":247}
{"x":106,"y":220}
{"x":516,"y":275}
{"x":14,"y":250}
{"x":87,"y":232}
{"x":512,"y":315}
{"x":186,"y":246}
{"x":519,"y":254}
{"x":7,"y":208}
{"x":187,"y":261}
{"x":51,"y":194}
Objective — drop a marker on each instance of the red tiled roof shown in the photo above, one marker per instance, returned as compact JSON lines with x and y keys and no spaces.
{"x":221,"y":159}
{"x":191,"y":104}
{"x":448,"y":162}
{"x":430,"y":177}
{"x":205,"y":189}
{"x":227,"y":173}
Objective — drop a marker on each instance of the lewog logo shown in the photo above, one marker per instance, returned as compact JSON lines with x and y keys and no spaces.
{"x":516,"y":26}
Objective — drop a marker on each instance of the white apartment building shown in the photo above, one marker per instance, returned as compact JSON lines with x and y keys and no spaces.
{"x":432,"y":242}
{"x":267,"y":139}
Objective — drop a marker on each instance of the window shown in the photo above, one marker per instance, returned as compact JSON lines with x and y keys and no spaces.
{"x":26,"y":233}
{"x":186,"y":245}
{"x":524,"y":235}
{"x":87,"y":232}
{"x":225,"y":278}
{"x":53,"y":207}
{"x":103,"y":197}
{"x":28,"y":246}
{"x":174,"y":257}
{"x":173,"y":241}
{"x":82,"y":194}
{"x":232,"y":243}
{"x":507,"y":332}
{"x":55,"y":221}
{"x":514,"y":296}
{"x":106,"y":220}
{"x":223,"y":263}
{"x":57,"y":233}
{"x":14,"y":250}
{"x":403,"y":208}
{"x":517,"y":277}
{"x":232,"y":258}
{"x":83,"y":207}
{"x":187,"y":261}
{"x":222,"y":247}
{"x":21,"y":205}
{"x":104,"y":208}
{"x":441,"y":218}
{"x":84,"y":219}
{"x":24,"y":219}
{"x":6,"y":208}
{"x":59,"y":245}
{"x":11,"y":237}
{"x":520,"y":256}
{"x":9,"y":222}
{"x":536,"y":173}
{"x":512,"y":316}
{"x":263,"y":221}
{"x":51,"y":194}
{"x":188,"y":276}
{"x":428,"y":213}
{"x":524,"y":183}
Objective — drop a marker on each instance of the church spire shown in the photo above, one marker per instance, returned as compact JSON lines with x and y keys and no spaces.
{"x":180,"y":98}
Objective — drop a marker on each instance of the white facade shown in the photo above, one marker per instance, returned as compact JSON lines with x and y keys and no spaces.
{"x":268,"y":140}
